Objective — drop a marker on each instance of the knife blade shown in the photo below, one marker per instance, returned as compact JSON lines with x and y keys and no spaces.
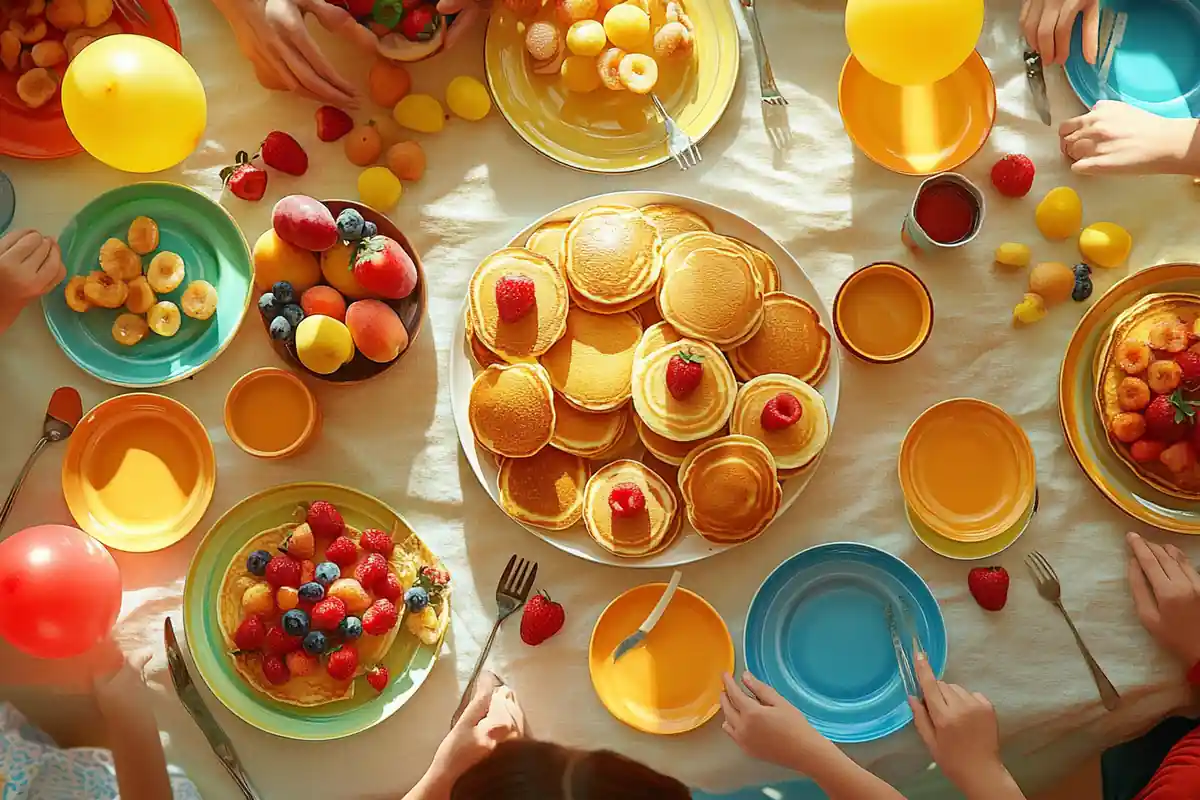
{"x":638,"y":636}
{"x":908,"y":675}
{"x":1035,"y":78}
{"x":190,"y":697}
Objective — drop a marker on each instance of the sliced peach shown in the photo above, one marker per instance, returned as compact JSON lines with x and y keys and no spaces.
{"x":49,"y":53}
{"x":36,"y":87}
{"x":31,"y":31}
{"x":65,"y":14}
{"x":10,"y":50}
{"x":76,"y":299}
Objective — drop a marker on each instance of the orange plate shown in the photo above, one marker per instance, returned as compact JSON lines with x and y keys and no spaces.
{"x":42,"y":133}
{"x":967,"y":470}
{"x":139,"y":472}
{"x":918,"y":130}
{"x":270,"y":413}
{"x":671,"y":682}
{"x":883,"y":313}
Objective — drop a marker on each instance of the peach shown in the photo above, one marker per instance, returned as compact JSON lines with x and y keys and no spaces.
{"x":388,"y":82}
{"x":276,"y":260}
{"x":377,"y":331}
{"x":304,"y":222}
{"x":324,"y":300}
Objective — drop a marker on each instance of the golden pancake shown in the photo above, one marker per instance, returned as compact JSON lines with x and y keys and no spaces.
{"x":703,"y":412}
{"x":730,"y":489}
{"x":536,"y":331}
{"x":669,"y":450}
{"x":479,"y":353}
{"x":655,"y":337}
{"x":586,"y":433}
{"x":611,"y":254}
{"x":628,"y":446}
{"x":641,"y":533}
{"x":764,"y":267}
{"x":611,"y":308}
{"x":712,"y":294}
{"x":668,"y":472}
{"x":795,"y":446}
{"x":544,"y":490}
{"x":676,"y":249}
{"x":648,"y":312}
{"x":673,"y":220}
{"x":591,"y":364}
{"x":548,"y":240}
{"x":511,"y":409}
{"x":792,"y":340}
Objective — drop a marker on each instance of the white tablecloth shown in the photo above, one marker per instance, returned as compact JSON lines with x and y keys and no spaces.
{"x":394,"y":437}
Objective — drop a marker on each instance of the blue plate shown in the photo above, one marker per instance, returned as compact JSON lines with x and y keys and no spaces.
{"x":816,"y":632}
{"x":1156,"y":65}
{"x":213,"y":249}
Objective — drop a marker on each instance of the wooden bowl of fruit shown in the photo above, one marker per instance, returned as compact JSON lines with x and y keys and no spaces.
{"x":341,"y":289}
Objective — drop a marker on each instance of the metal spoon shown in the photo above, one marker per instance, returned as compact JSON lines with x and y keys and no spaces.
{"x":62,"y":415}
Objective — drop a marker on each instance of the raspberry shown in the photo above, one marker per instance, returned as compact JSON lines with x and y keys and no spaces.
{"x":626,"y":500}
{"x":377,"y":541}
{"x":782,"y":410}
{"x":300,"y":663}
{"x":371,"y":570}
{"x":380,"y":618}
{"x":514,"y":297}
{"x":327,"y":614}
{"x":389,"y":587}
{"x":342,"y":663}
{"x":278,"y":643}
{"x":283,"y":571}
{"x":275,"y":670}
{"x":377,"y":676}
{"x":250,"y":634}
{"x":1013,"y":175}
{"x":342,"y":551}
{"x":325,"y":520}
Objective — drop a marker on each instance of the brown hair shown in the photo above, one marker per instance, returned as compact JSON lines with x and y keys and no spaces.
{"x":529,"y":770}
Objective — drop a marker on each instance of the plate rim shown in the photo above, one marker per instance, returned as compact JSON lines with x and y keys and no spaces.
{"x":1026,"y":520}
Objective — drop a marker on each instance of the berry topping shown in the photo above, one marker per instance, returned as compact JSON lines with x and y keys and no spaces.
{"x":1082,"y":289}
{"x":342,"y":551}
{"x":415,"y":599}
{"x":350,"y":628}
{"x":420,"y":23}
{"x":435,"y":576}
{"x":380,"y":618}
{"x":389,"y":587}
{"x":312,"y":592}
{"x":684,"y":372}
{"x":1013,"y":175}
{"x":541,"y":619}
{"x":342,"y":663}
{"x":781,"y":411}
{"x":316,"y":643}
{"x":284,"y":292}
{"x":308,"y":572}
{"x":328,"y":614}
{"x":1145,"y":451}
{"x":258,"y":599}
{"x":244,"y":179}
{"x":256,"y":562}
{"x":350,"y":224}
{"x":377,"y":541}
{"x":989,"y":587}
{"x":287,"y":598}
{"x":1179,"y":457}
{"x":332,"y":124}
{"x":371,"y":570}
{"x":1168,"y":417}
{"x":326,"y":573}
{"x":300,"y":663}
{"x":294,"y":622}
{"x":251,"y":634}
{"x":279,"y":643}
{"x":299,"y":543}
{"x":377,"y":676}
{"x":626,"y":500}
{"x":514,"y":297}
{"x":283,"y":570}
{"x":325,"y":520}
{"x":352,"y":593}
{"x":275,"y":670}
{"x":1189,"y":367}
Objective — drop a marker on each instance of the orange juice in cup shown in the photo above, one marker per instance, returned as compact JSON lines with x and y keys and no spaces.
{"x":270,"y":413}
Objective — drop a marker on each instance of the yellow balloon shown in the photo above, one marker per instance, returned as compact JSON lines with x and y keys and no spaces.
{"x":134,"y":103}
{"x":913,"y":42}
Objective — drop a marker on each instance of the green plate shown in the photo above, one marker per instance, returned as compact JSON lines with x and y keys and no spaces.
{"x":213,"y":249}
{"x":409,"y":662}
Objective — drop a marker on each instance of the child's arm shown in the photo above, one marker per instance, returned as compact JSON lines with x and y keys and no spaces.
{"x":30,"y":266}
{"x":132,"y":735}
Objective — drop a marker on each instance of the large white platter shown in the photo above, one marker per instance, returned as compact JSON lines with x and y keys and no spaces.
{"x":690,"y":546}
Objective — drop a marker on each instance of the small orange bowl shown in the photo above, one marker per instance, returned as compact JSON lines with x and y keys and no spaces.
{"x":883,"y":313}
{"x":270,"y":413}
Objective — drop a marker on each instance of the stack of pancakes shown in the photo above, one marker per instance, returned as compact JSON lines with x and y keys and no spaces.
{"x":572,"y":399}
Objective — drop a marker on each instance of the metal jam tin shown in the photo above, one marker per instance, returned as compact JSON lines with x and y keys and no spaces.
{"x":915,"y":237}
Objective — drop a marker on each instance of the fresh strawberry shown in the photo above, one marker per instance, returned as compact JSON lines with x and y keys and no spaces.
{"x":390,"y":587}
{"x":244,"y":179}
{"x":1013,"y":175}
{"x":275,"y":670}
{"x":377,"y":676}
{"x":1147,"y":450}
{"x":1189,"y":365}
{"x":250,"y":634}
{"x":376,"y":541}
{"x":359,"y":8}
{"x":281,"y":151}
{"x":371,"y":570}
{"x":380,"y":618}
{"x":308,"y":571}
{"x":300,"y":663}
{"x":782,"y":410}
{"x":283,"y":570}
{"x":514,"y":297}
{"x":342,"y":551}
{"x":989,"y":587}
{"x":299,"y":543}
{"x":421,"y":23}
{"x":435,"y":576}
{"x":279,"y":643}
{"x":342,"y":663}
{"x":626,"y":499}
{"x":333,"y":123}
{"x":325,"y":520}
{"x":1179,"y":457}
{"x":684,"y":372}
{"x":541,"y":619}
{"x":327,"y":614}
{"x":1168,"y":417}
{"x":383,"y":268}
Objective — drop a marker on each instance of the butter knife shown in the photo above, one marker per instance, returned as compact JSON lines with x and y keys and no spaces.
{"x":638,"y":636}
{"x":190,"y":697}
{"x":1036,"y":80}
{"x":908,"y":675}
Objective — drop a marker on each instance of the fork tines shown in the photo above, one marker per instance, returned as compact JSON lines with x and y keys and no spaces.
{"x":1040,"y":567}
{"x":518,"y":577}
{"x":775,"y":100}
{"x":133,"y":11}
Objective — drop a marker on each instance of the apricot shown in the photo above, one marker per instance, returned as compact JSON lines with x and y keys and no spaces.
{"x":101,"y":289}
{"x":36,"y":87}
{"x":376,"y":330}
{"x":406,"y":160}
{"x":10,"y":50}
{"x":66,"y":14}
{"x":363,"y":145}
{"x":31,"y":31}
{"x":77,"y":45}
{"x":388,"y":82}
{"x":49,"y":53}
{"x":97,"y":12}
{"x":35,"y":8}
{"x":324,"y":300}
{"x":337,"y":265}
{"x":76,"y":299}
{"x":143,"y":235}
{"x":275,"y":260}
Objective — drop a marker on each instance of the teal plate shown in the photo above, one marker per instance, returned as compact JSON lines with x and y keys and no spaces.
{"x":213,"y":249}
{"x":408,"y":661}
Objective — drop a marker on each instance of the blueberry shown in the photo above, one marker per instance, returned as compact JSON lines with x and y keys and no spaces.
{"x":269,"y":306}
{"x":1083,"y":288}
{"x":315,"y":643}
{"x":256,"y":562}
{"x":369,"y":230}
{"x":350,"y":628}
{"x":350,"y":225}
{"x":283,"y":292}
{"x":294,"y":314}
{"x":312,"y":592}
{"x":416,"y":599}
{"x":1081,"y":269}
{"x":295,"y":622}
{"x":327,"y":572}
{"x":281,"y":329}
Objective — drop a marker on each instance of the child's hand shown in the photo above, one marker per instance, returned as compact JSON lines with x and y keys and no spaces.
{"x":30,"y":266}
{"x":1117,"y":137}
{"x":491,"y":717}
{"x":768,"y":727}
{"x":1166,"y":593}
{"x":1047,"y":27}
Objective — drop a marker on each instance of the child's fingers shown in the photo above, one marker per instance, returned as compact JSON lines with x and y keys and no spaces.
{"x":22,"y":244}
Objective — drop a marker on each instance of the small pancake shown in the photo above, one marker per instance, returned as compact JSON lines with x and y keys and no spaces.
{"x":536,"y":331}
{"x":637,"y":535}
{"x":544,"y":490}
{"x":612,"y":308}
{"x":628,"y":446}
{"x":648,"y":311}
{"x":792,"y":340}
{"x":479,"y":352}
{"x":764,"y":267}
{"x":548,"y":240}
{"x":611,"y":255}
{"x":592,"y":363}
{"x":511,"y":409}
{"x":703,"y":412}
{"x":795,"y":446}
{"x":676,"y":249}
{"x":655,"y":337}
{"x":730,"y":489}
{"x":671,"y":220}
{"x":586,"y":433}
{"x":669,"y":450}
{"x":714,"y":295}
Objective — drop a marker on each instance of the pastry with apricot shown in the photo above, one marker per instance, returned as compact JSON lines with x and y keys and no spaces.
{"x":129,"y":329}
{"x":166,"y":272}
{"x":119,"y":261}
{"x":76,"y":299}
{"x":141,"y":297}
{"x":105,"y":291}
{"x":143,"y":235}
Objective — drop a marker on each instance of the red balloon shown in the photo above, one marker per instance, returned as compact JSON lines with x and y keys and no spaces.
{"x":60,"y":591}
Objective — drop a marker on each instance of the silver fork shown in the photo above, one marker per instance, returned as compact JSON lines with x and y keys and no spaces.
{"x":1112,"y":32}
{"x":1050,"y":589}
{"x":766,"y":76}
{"x":679,"y":144}
{"x":511,"y":593}
{"x":133,"y":11}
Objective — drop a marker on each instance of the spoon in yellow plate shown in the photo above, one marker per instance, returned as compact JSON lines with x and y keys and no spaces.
{"x":62,"y":415}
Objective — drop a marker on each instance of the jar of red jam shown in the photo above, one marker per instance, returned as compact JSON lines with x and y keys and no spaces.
{"x":947,"y":212}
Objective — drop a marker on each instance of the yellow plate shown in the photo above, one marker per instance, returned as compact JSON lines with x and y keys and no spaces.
{"x":139,"y":472}
{"x":607,"y":131}
{"x":918,"y":130}
{"x":1082,"y":426}
{"x":970,"y":551}
{"x":671,"y":683}
{"x":967,"y":470}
